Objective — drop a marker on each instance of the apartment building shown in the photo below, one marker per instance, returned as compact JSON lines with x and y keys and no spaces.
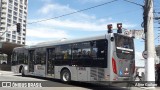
{"x":11,"y":13}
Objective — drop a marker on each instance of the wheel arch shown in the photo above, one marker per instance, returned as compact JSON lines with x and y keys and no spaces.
{"x":64,"y":69}
{"x":61,"y":72}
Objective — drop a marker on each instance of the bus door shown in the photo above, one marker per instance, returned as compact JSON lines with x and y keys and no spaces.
{"x":31,"y":60}
{"x":50,"y":61}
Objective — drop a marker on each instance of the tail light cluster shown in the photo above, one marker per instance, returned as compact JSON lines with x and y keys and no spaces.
{"x":114,"y":66}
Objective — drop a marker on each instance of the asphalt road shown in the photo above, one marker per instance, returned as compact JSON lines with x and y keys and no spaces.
{"x":47,"y":84}
{"x":36,"y":83}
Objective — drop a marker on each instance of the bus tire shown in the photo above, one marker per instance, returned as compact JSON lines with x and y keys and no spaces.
{"x":23,"y":74}
{"x":65,"y":76}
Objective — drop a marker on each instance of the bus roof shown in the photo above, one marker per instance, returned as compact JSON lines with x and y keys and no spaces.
{"x":52,"y":43}
{"x":59,"y":42}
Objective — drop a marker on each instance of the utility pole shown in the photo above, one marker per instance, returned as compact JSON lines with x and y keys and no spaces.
{"x":150,"y":62}
{"x":145,"y":15}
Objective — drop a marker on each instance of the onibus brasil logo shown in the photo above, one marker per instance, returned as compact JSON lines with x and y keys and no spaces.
{"x":21,"y":84}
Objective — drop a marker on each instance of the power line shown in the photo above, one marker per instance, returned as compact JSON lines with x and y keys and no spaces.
{"x":75,"y":12}
{"x":156,"y":37}
{"x":121,"y":13}
{"x":133,"y":3}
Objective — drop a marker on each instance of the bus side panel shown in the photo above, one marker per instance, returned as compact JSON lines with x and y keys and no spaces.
{"x":110,"y":55}
{"x":15,"y":69}
{"x":25,"y":69}
{"x":77,"y":73}
{"x":107,"y":74}
{"x":74,"y":73}
{"x":57,"y":70}
{"x":99,"y":74}
{"x":91,"y":74}
{"x":82,"y":73}
{"x":39,"y":70}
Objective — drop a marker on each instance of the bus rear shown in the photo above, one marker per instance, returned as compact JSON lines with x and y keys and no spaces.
{"x":123,"y":59}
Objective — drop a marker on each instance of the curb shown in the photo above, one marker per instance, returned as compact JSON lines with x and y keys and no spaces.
{"x":5,"y":72}
{"x":147,"y":88}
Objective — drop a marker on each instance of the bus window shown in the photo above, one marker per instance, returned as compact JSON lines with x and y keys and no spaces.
{"x":63,"y":54}
{"x":20,"y":57}
{"x":40,"y":57}
{"x":67,"y":54}
{"x":76,"y":51}
{"x":86,"y":53}
{"x":99,"y":53}
{"x":25,"y":57}
{"x":51,"y":53}
{"x":94,"y":53}
{"x":14,"y":58}
{"x":81,"y":53}
{"x":31,"y":61}
{"x":59,"y":55}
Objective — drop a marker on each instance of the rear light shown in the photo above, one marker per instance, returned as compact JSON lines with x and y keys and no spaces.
{"x":114,"y":66}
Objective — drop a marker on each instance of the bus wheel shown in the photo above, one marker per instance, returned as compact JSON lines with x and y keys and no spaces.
{"x":22,"y":72}
{"x":65,"y":75}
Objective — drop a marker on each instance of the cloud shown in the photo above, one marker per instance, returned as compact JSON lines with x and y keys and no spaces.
{"x":97,"y":25}
{"x":55,"y":9}
{"x":60,"y":27}
{"x":91,"y":1}
{"x":74,"y":25}
{"x":46,"y":1}
{"x":33,"y":42}
{"x":40,"y":32}
{"x":46,"y":9}
{"x":78,"y":21}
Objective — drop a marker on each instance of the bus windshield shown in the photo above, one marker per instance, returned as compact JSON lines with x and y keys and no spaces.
{"x":124,"y":47}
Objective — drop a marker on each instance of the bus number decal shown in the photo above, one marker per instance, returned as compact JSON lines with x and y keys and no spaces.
{"x":81,"y":68}
{"x":40,"y":67}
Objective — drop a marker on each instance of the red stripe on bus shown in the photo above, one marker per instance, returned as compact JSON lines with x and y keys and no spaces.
{"x":114,"y":66}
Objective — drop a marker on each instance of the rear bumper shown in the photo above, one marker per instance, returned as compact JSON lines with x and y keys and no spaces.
{"x":124,"y":78}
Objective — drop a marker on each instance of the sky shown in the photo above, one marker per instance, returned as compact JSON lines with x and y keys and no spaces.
{"x":91,"y":22}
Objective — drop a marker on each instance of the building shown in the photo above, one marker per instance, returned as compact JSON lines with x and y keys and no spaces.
{"x":3,"y":59}
{"x":11,"y":13}
{"x":158,"y":54}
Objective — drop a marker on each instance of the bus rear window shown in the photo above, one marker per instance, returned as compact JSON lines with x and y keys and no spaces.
{"x":124,"y":47}
{"x":124,"y":42}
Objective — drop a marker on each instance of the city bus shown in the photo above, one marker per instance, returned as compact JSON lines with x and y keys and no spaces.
{"x":109,"y":57}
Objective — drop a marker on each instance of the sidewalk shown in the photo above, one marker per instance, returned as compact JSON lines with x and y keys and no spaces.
{"x":144,"y":88}
{"x":5,"y":72}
